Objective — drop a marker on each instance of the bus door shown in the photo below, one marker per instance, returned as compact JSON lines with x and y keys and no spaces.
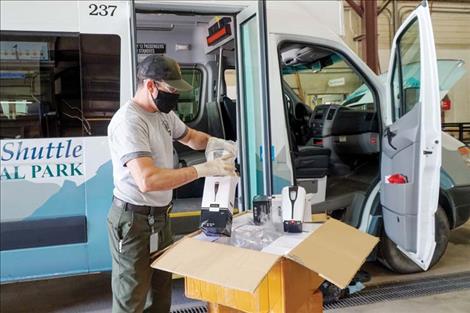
{"x":253,"y":119}
{"x":266,"y":160}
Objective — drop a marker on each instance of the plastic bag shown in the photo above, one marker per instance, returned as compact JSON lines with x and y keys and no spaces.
{"x":217,"y":148}
{"x":254,"y":237}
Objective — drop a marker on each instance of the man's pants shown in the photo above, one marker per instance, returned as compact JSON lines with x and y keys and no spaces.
{"x":136,"y":286}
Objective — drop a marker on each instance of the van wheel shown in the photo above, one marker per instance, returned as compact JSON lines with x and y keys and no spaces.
{"x":395,"y":260}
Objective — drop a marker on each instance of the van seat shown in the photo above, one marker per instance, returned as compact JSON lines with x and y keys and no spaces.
{"x":311,"y":161}
{"x":229,"y":116}
{"x":340,"y":194}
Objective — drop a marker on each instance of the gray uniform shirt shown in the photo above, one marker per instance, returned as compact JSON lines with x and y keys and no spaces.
{"x":134,"y":132}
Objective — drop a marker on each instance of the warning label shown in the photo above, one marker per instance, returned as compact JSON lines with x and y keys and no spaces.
{"x":151,"y":48}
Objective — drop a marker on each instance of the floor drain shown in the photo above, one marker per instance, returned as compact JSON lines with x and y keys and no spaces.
{"x":405,"y":290}
{"x":385,"y":292}
{"x":189,"y":308}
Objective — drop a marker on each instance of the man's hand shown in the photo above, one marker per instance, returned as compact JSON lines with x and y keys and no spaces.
{"x":223,"y":166}
{"x":215,"y":143}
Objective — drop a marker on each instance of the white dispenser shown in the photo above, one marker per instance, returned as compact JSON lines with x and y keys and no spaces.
{"x":293,"y":208}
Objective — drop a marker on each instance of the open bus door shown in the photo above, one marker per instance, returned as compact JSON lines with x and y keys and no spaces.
{"x":254,"y":106}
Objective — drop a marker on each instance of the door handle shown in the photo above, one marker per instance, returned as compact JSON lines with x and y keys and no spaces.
{"x":390,"y":134}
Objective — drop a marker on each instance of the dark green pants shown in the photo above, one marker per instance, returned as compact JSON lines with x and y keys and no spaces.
{"x":136,"y":286}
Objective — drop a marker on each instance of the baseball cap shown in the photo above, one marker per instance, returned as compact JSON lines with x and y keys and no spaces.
{"x":159,"y":67}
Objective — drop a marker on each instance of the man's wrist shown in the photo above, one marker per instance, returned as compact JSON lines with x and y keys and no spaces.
{"x":197,"y":169}
{"x":209,"y":137}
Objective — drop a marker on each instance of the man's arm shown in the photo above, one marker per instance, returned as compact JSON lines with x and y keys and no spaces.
{"x":148,"y":177}
{"x":195,"y":139}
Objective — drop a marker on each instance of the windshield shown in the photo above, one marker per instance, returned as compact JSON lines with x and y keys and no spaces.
{"x":318,"y":76}
{"x":449,"y":71}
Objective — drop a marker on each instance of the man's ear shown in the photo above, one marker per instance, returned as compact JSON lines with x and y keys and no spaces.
{"x":149,"y":85}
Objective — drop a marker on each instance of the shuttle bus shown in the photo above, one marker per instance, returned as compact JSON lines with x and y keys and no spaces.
{"x":371,"y":150}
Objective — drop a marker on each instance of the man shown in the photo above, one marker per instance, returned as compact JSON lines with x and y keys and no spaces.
{"x":141,"y":136}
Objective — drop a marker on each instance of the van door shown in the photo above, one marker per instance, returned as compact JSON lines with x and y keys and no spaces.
{"x":254,"y":104}
{"x":411,"y":143}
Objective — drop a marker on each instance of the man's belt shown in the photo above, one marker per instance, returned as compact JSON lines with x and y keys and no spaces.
{"x":142,"y":209}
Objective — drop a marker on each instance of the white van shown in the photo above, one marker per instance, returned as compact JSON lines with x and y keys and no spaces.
{"x":374,"y":148}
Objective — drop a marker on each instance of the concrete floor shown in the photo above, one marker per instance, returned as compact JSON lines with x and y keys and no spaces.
{"x":77,"y":294}
{"x":91,"y":293}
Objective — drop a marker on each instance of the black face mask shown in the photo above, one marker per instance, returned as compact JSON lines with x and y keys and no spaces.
{"x":166,"y":101}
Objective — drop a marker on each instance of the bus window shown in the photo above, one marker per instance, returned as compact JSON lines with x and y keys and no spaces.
{"x":189,"y":102}
{"x":100,"y":69}
{"x":57,"y":85}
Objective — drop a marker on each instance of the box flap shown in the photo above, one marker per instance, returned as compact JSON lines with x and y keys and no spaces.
{"x":335,"y":251}
{"x":224,"y":265}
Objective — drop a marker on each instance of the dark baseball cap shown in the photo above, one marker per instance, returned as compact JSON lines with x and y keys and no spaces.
{"x":161,"y":68}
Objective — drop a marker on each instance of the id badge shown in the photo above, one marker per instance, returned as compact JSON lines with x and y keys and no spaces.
{"x":153,"y":242}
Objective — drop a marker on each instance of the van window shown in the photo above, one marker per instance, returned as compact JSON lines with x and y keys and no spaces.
{"x":57,"y":85}
{"x":189,"y":102}
{"x":406,"y":73}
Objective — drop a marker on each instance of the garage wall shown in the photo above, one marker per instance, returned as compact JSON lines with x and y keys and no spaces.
{"x":451,"y":22}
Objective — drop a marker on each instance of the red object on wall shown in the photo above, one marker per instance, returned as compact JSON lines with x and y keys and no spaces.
{"x":446,"y":104}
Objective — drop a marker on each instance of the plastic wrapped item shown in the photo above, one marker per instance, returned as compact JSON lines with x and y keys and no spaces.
{"x":219,"y":192}
{"x":276,"y":212}
{"x":216,"y":223}
{"x":254,"y":237}
{"x":217,"y":148}
{"x":261,"y":209}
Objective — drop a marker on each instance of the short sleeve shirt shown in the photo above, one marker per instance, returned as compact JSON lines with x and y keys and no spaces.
{"x":134,"y":132}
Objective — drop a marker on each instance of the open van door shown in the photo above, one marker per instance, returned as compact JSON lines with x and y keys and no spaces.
{"x":253,"y":121}
{"x":411,"y":143}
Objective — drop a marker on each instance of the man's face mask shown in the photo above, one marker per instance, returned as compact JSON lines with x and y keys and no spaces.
{"x":166,"y":101}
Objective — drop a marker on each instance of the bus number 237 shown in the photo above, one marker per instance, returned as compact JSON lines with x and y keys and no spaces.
{"x":102,"y":9}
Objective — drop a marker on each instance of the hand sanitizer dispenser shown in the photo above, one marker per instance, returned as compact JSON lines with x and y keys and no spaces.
{"x":218,"y":201}
{"x":293,"y":207}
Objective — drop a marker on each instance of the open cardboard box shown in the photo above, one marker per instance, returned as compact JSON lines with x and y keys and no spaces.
{"x":333,"y":251}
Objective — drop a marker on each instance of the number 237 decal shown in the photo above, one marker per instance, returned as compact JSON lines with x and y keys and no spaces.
{"x":102,"y":9}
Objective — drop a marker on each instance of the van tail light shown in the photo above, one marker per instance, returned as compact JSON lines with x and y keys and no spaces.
{"x":465,"y":153}
{"x":397,"y":179}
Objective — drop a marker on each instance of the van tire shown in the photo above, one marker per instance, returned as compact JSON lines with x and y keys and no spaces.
{"x":396,"y":260}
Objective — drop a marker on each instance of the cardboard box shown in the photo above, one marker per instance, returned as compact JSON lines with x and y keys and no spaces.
{"x":333,"y":251}
{"x":275,"y":294}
